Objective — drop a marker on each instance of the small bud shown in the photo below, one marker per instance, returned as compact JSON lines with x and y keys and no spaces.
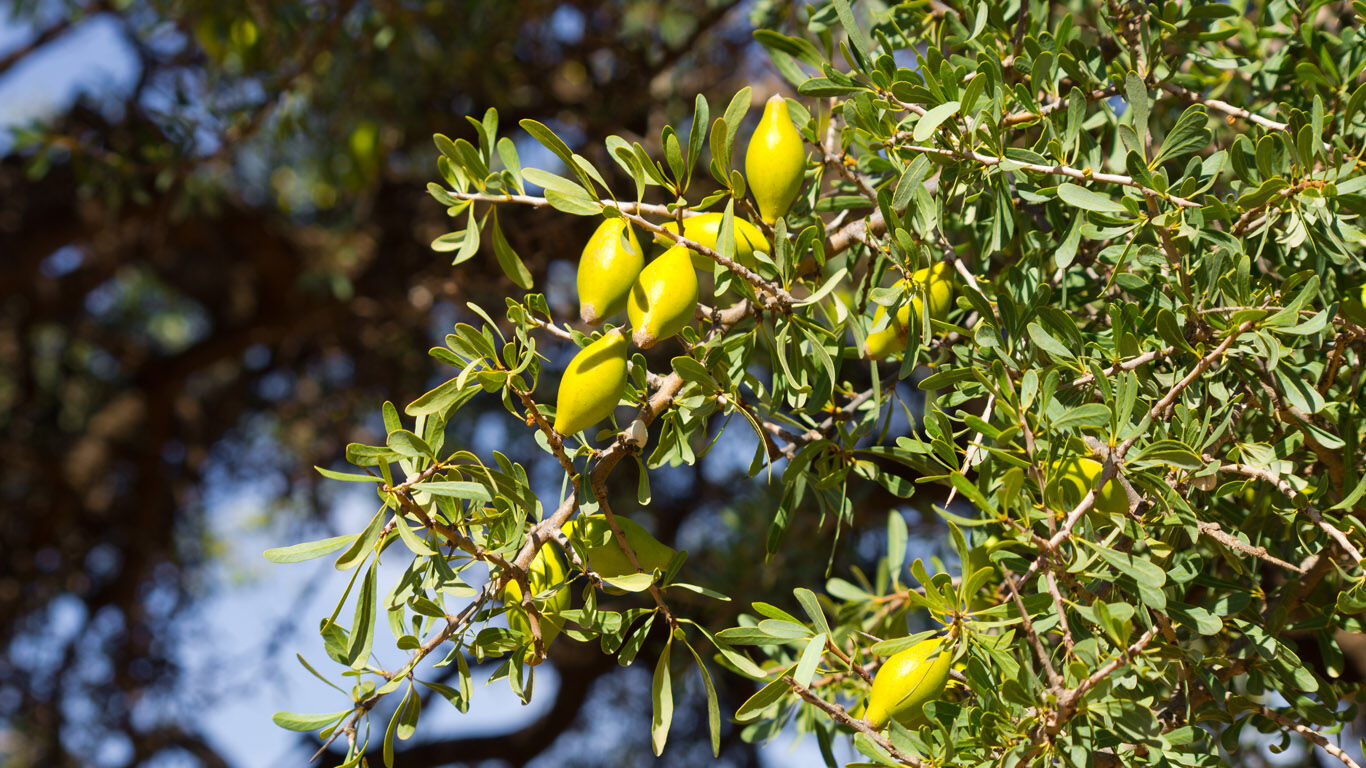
{"x":636,"y":434}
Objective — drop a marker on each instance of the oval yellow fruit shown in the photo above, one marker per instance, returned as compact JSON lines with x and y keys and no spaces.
{"x":663,"y":299}
{"x":593,"y":535}
{"x":608,"y":267}
{"x":906,"y":681}
{"x":547,"y":569}
{"x":592,"y":385}
{"x":775,"y":161}
{"x":1070,"y":479}
{"x":886,"y":342}
{"x":935,"y":283}
{"x":705,"y":228}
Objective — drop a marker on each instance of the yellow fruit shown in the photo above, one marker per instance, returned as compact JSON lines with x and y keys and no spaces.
{"x":886,"y":342}
{"x":592,"y":384}
{"x":546,"y":570}
{"x":608,"y":267}
{"x":663,"y":298}
{"x":935,"y":283}
{"x":593,"y":535}
{"x":775,"y":161}
{"x":1070,"y":479}
{"x":706,"y":229}
{"x":906,"y":681}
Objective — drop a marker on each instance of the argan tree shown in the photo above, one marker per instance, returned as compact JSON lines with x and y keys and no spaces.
{"x":1080,"y":281}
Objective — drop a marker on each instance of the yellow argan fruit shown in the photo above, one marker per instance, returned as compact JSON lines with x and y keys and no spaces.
{"x":592,"y":384}
{"x":775,"y":161}
{"x":608,"y":268}
{"x":547,"y":569}
{"x":663,"y":299}
{"x":593,"y":535}
{"x":705,"y":228}
{"x":935,"y":283}
{"x":1070,"y":479}
{"x":906,"y":681}
{"x":886,"y":342}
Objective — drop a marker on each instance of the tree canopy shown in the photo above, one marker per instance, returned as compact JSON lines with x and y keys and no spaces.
{"x":1027,"y":432}
{"x":1081,"y":283}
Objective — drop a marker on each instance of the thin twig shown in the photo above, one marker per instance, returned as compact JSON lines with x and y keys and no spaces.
{"x":1222,"y":106}
{"x":1308,"y":733}
{"x":844,"y":718}
{"x":1213,"y":531}
{"x":1056,"y":170}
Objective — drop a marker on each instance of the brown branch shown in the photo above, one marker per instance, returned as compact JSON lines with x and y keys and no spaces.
{"x":1055,"y":170}
{"x":1308,"y":733}
{"x":1254,"y":216}
{"x":1016,"y":118}
{"x":1127,"y":365}
{"x":1213,"y":531}
{"x":1222,"y":106}
{"x":1054,"y":679}
{"x":1328,"y":528}
{"x":841,"y":716}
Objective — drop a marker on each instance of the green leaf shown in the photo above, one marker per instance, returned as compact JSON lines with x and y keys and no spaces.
{"x":1171,"y":452}
{"x":363,"y":621}
{"x":454,"y":488}
{"x":358,"y":551}
{"x":416,"y":544}
{"x":1190,"y":134}
{"x":662,"y":694}
{"x":512,"y":264}
{"x":1137,"y":93}
{"x":411,"y":709}
{"x":550,"y":181}
{"x":764,"y":698}
{"x":931,"y":120}
{"x":548,"y":139}
{"x":734,"y":116}
{"x":911,"y":179}
{"x":857,"y":36}
{"x":1088,"y":415}
{"x":713,"y":705}
{"x":1141,"y":569}
{"x":896,"y":543}
{"x":810,"y":660}
{"x":446,"y":396}
{"x":295,"y":721}
{"x":298,"y":553}
{"x":697,"y":134}
{"x":578,"y":203}
{"x":971,"y":492}
{"x":1085,"y":199}
{"x":405,"y":443}
{"x":1067,"y":250}
{"x":812,"y":605}
{"x":348,"y":477}
{"x":1045,"y":341}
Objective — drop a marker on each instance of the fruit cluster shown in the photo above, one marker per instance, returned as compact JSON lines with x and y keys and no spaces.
{"x":660,"y":298}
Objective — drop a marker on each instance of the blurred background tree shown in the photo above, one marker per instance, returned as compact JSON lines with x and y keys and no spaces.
{"x":217,"y":265}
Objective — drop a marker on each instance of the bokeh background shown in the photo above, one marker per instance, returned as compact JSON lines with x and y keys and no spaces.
{"x":214,"y":268}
